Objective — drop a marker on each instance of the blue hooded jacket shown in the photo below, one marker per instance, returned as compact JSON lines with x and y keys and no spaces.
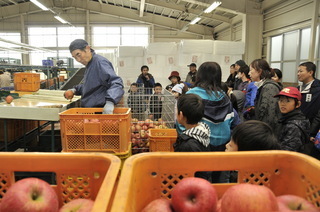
{"x":218,"y":115}
{"x":100,"y":84}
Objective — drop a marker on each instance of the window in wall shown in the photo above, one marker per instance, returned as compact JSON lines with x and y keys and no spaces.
{"x":66,"y":35}
{"x":276,"y":47}
{"x":37,"y":57}
{"x":120,"y":36}
{"x":275,"y":65}
{"x":290,"y":46}
{"x":10,"y":54}
{"x":106,"y":36}
{"x":134,"y":36}
{"x":42,"y":36}
{"x":305,"y":43}
{"x":289,"y":72}
{"x":295,"y":47}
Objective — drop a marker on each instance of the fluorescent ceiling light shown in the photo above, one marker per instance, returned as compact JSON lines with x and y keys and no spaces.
{"x":195,"y":20}
{"x":24,"y":45}
{"x":60,"y":19}
{"x":39,"y":5}
{"x":213,"y":6}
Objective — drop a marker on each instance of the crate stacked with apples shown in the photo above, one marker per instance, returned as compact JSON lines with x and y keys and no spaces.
{"x":80,"y":184}
{"x":267,"y":181}
{"x":149,"y":111}
{"x":140,"y":132}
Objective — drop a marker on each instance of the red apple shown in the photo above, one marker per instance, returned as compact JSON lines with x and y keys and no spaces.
{"x":158,"y":205}
{"x":138,"y":128}
{"x":147,"y":122}
{"x":9,"y":99}
{"x":218,"y":206}
{"x":137,"y":135}
{"x":193,"y":195}
{"x":144,"y":134}
{"x":68,"y":94}
{"x":248,"y":197}
{"x":78,"y":205}
{"x":290,"y":202}
{"x":133,"y":128}
{"x":94,"y":121}
{"x":145,"y":127}
{"x":30,"y":195}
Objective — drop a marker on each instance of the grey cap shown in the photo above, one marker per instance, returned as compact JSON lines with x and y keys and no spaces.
{"x":78,"y":44}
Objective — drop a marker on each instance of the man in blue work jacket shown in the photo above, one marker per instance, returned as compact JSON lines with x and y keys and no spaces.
{"x":101,"y":86}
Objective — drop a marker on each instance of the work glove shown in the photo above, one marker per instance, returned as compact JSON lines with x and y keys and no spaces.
{"x":108,"y":108}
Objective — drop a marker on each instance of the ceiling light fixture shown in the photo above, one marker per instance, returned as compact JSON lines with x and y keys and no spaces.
{"x":60,"y":19}
{"x":213,"y":6}
{"x":195,"y":20}
{"x":36,"y":2}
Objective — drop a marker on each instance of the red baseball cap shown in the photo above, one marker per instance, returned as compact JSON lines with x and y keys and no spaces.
{"x":290,"y":92}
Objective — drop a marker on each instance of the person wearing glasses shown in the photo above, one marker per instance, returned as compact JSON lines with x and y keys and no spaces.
{"x":101,"y":86}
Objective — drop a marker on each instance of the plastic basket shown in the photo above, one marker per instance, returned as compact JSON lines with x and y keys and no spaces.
{"x":26,"y":81}
{"x":156,"y":174}
{"x":108,"y":132}
{"x":78,"y":175}
{"x":161,"y":140}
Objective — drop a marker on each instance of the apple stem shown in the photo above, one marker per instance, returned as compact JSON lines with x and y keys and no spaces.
{"x":34,"y":195}
{"x":299,"y":207}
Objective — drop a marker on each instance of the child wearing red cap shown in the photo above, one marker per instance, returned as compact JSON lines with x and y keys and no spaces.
{"x":294,"y":128}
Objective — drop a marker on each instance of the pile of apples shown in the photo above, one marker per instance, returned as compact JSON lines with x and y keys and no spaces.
{"x":140,"y":133}
{"x":35,"y":195}
{"x":196,"y":194}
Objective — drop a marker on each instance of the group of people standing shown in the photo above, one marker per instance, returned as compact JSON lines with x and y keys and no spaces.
{"x":280,"y":118}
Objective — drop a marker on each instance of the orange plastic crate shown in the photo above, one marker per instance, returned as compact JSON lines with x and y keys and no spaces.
{"x":78,"y":175}
{"x":157,"y":173}
{"x":162,"y":140}
{"x":111,"y":132}
{"x":26,"y":81}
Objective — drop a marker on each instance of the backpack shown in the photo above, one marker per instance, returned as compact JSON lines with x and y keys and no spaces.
{"x":308,"y":146}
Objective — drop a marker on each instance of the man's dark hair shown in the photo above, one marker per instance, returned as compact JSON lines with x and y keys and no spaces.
{"x":245,"y":69}
{"x":157,"y":85}
{"x":310,"y":67}
{"x":254,"y":135}
{"x":144,"y":66}
{"x":192,"y":107}
{"x":278,"y":72}
{"x":233,"y":66}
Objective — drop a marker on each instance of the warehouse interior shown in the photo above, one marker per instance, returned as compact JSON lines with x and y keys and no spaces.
{"x":84,"y":152}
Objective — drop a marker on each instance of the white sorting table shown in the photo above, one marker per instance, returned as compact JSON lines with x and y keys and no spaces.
{"x":43,"y":105}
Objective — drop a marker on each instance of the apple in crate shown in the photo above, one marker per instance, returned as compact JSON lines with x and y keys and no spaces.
{"x":30,"y":195}
{"x":290,"y":202}
{"x":78,"y":205}
{"x":247,"y":197}
{"x":158,"y":205}
{"x":194,"y":194}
